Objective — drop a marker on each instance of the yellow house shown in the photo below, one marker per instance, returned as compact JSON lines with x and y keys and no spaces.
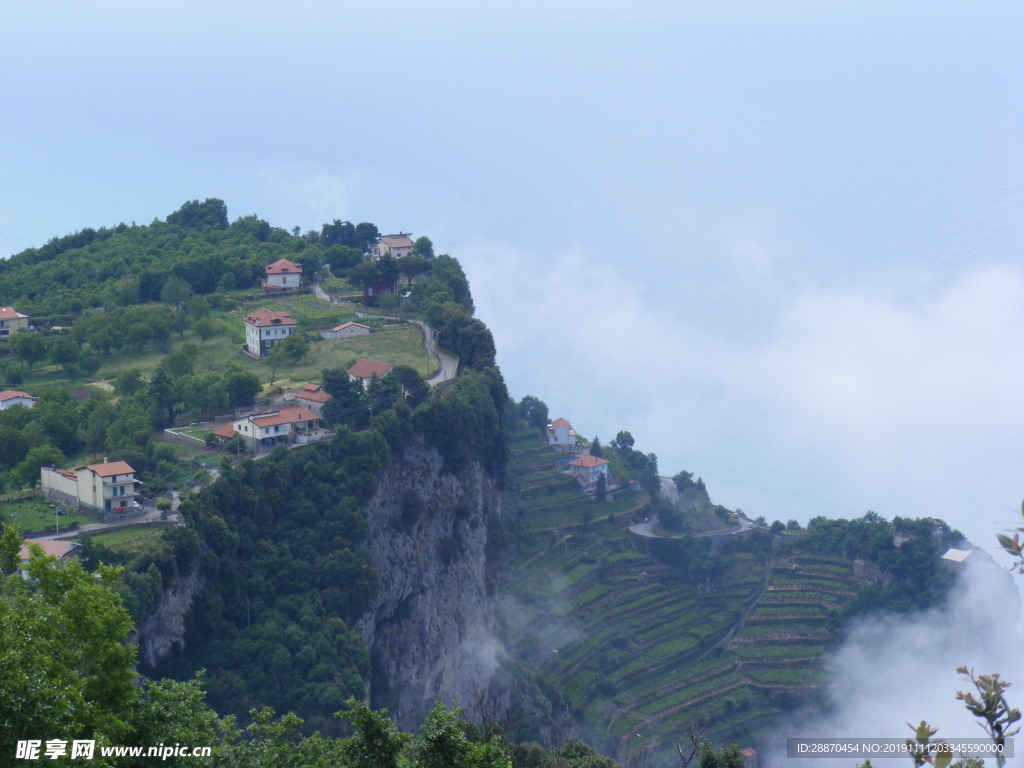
{"x":106,"y":487}
{"x":11,"y":321}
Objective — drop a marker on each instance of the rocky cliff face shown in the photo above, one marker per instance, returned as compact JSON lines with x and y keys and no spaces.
{"x":164,"y":626}
{"x":429,"y":630}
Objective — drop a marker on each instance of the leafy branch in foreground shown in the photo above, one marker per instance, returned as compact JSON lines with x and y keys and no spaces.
{"x":990,"y":705}
{"x":1013,"y":546}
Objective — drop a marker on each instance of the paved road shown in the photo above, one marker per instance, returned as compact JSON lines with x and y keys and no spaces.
{"x":447,"y":362}
{"x":151,"y":515}
{"x":670,"y":492}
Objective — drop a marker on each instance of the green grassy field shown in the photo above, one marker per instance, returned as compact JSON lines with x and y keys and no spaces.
{"x":37,"y":514}
{"x":400,"y":344}
{"x":131,"y":542}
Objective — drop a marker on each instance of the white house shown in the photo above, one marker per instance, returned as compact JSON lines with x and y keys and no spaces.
{"x":587,"y":470}
{"x":312,"y":396}
{"x":396,"y":246}
{"x":561,"y":435}
{"x":11,"y":321}
{"x":366,"y":371}
{"x":62,"y":550}
{"x":262,"y":431}
{"x":282,"y":275}
{"x":106,"y":487}
{"x":9,"y":397}
{"x":263,"y":329}
{"x":345,"y":330}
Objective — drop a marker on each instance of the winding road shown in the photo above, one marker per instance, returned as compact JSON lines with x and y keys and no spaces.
{"x":447,"y":362}
{"x":670,"y":492}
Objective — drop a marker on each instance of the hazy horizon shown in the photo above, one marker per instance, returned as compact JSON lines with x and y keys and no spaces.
{"x":781,"y":246}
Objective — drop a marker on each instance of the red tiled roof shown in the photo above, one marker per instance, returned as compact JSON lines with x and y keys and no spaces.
{"x":343,"y":326}
{"x":282,"y":266}
{"x":55,"y":547}
{"x":10,"y":313}
{"x":289,"y":415}
{"x":263,"y":318}
{"x":228,"y":430}
{"x":561,"y":423}
{"x":65,"y":472}
{"x":364,"y":369}
{"x":587,"y":461}
{"x":111,"y":468}
{"x":316,"y":397}
{"x":10,"y":394}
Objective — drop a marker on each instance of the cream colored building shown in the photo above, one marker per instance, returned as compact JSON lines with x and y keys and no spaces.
{"x":106,"y":487}
{"x":397,"y":246}
{"x":11,"y":321}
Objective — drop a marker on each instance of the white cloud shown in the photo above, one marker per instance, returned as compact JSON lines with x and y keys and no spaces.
{"x":902,"y":398}
{"x":893,"y":670}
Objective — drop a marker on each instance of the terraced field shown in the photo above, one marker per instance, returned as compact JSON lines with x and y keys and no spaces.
{"x":628,"y":640}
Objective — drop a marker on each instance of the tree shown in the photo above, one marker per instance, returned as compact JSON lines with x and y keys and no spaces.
{"x":389,"y":268}
{"x":683,"y":480}
{"x":412,"y":267}
{"x":195,"y":215}
{"x":725,"y":757}
{"x":30,"y":347}
{"x":13,"y":446}
{"x":533,"y":411}
{"x":175,"y":292}
{"x":27,"y":472}
{"x":623,"y":440}
{"x":64,"y":351}
{"x":13,"y":376}
{"x":423,"y":248}
{"x":377,"y":743}
{"x":241,"y":386}
{"x":10,"y":545}
{"x":205,"y":329}
{"x":443,"y":743}
{"x":289,"y":351}
{"x":68,"y":666}
{"x":127,"y":383}
{"x":595,"y":448}
{"x":364,"y":275}
{"x":366,"y":235}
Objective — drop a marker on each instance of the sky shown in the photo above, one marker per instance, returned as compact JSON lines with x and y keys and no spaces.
{"x":778,"y":242}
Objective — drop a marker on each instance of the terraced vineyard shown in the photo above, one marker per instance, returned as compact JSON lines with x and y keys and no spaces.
{"x":632,"y":645}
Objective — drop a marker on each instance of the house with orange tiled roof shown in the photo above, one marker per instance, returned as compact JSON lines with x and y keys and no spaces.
{"x":108,"y":487}
{"x":10,"y":397}
{"x":588,"y":469}
{"x":562,"y":436}
{"x":62,"y":550}
{"x":291,"y":425}
{"x":312,"y":396}
{"x":397,"y":246}
{"x":11,"y":321}
{"x":264,"y":329}
{"x":282,"y":275}
{"x":365,"y":371}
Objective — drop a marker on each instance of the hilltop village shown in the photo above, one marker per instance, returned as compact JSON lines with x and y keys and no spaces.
{"x":299,"y":454}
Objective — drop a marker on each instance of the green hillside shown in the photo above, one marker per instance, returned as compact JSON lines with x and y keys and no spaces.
{"x":651,"y":636}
